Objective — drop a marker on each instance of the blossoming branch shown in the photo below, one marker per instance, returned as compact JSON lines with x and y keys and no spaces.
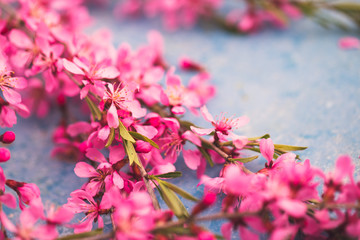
{"x":244,"y":16}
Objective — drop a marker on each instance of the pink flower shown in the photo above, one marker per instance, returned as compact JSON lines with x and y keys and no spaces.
{"x":123,"y":99}
{"x":177,"y":96}
{"x":5,"y":155}
{"x":26,"y":191}
{"x":349,"y":43}
{"x":7,"y":137}
{"x":7,"y":83}
{"x":134,"y":217}
{"x":27,"y":228}
{"x":267,"y":150}
{"x":223,"y":126}
{"x":83,"y":202}
{"x":93,"y":73}
{"x":6,"y":198}
{"x":188,"y":64}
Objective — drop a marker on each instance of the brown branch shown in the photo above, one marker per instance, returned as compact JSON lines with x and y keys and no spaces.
{"x":149,"y":187}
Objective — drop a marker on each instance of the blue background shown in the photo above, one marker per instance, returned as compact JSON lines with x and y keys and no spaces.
{"x":295,"y":84}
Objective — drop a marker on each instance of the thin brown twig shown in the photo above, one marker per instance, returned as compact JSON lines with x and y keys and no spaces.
{"x":149,"y":187}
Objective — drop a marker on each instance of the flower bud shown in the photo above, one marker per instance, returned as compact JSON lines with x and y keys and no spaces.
{"x":83,"y":147}
{"x":61,"y":100}
{"x":26,"y":191}
{"x":8,"y":137}
{"x":142,"y":146}
{"x":4,"y":154}
{"x":188,"y":64}
{"x":208,"y":200}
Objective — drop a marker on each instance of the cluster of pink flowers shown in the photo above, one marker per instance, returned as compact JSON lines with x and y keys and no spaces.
{"x":185,"y":13}
{"x":134,"y":134}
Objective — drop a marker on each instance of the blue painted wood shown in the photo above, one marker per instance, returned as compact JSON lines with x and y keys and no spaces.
{"x":294,"y":84}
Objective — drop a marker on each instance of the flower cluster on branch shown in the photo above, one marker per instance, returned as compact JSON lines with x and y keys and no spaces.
{"x":130,"y":135}
{"x":245,"y":16}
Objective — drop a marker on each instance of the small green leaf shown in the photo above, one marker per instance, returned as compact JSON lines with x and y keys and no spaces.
{"x":186,"y":124}
{"x":130,"y":151}
{"x":111,"y":137}
{"x":172,"y":201}
{"x":288,"y":148}
{"x":82,"y":235}
{"x":95,"y":111}
{"x":170,"y":175}
{"x":124,"y":133}
{"x":180,"y":191}
{"x":206,"y":156}
{"x":139,"y":136}
{"x":244,"y":160}
{"x":266,"y":136}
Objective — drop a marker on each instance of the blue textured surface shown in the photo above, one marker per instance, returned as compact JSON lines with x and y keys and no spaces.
{"x":296,"y":85}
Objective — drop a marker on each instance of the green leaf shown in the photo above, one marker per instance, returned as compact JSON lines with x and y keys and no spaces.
{"x":244,"y":160}
{"x":130,"y":151}
{"x":124,"y":133}
{"x":111,"y":137}
{"x":170,"y":175}
{"x":266,"y":136}
{"x":206,"y":156}
{"x":139,"y":136}
{"x":95,"y":111}
{"x":288,"y":148}
{"x":186,"y":124}
{"x":82,"y":235}
{"x":180,"y":191}
{"x":172,"y":201}
{"x":275,"y":11}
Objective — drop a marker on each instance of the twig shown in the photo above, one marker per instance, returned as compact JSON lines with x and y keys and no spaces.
{"x":149,"y":188}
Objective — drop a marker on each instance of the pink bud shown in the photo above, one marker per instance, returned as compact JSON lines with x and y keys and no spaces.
{"x":206,"y":202}
{"x":8,"y":137}
{"x":142,"y":146}
{"x":4,"y":154}
{"x":83,"y":147}
{"x":188,"y":64}
{"x":61,"y":100}
{"x":28,"y":192}
{"x":209,"y":199}
{"x":59,"y":133}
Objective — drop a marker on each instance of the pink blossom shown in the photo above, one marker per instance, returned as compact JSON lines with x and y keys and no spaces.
{"x":123,"y":99}
{"x":134,"y":217}
{"x":223,"y":126}
{"x":349,"y":43}
{"x":27,"y":228}
{"x":7,"y":137}
{"x":6,"y":198}
{"x":27,"y":192}
{"x":82,"y":202}
{"x":177,"y":96}
{"x":7,"y":83}
{"x":92,"y":73}
{"x":5,"y":155}
{"x":267,"y":150}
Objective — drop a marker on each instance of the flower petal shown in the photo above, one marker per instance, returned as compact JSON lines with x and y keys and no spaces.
{"x":84,"y":170}
{"x":95,"y":155}
{"x":267,"y":149}
{"x":191,"y":158}
{"x":202,"y":131}
{"x":112,"y":117}
{"x":207,"y":116}
{"x":71,"y":67}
